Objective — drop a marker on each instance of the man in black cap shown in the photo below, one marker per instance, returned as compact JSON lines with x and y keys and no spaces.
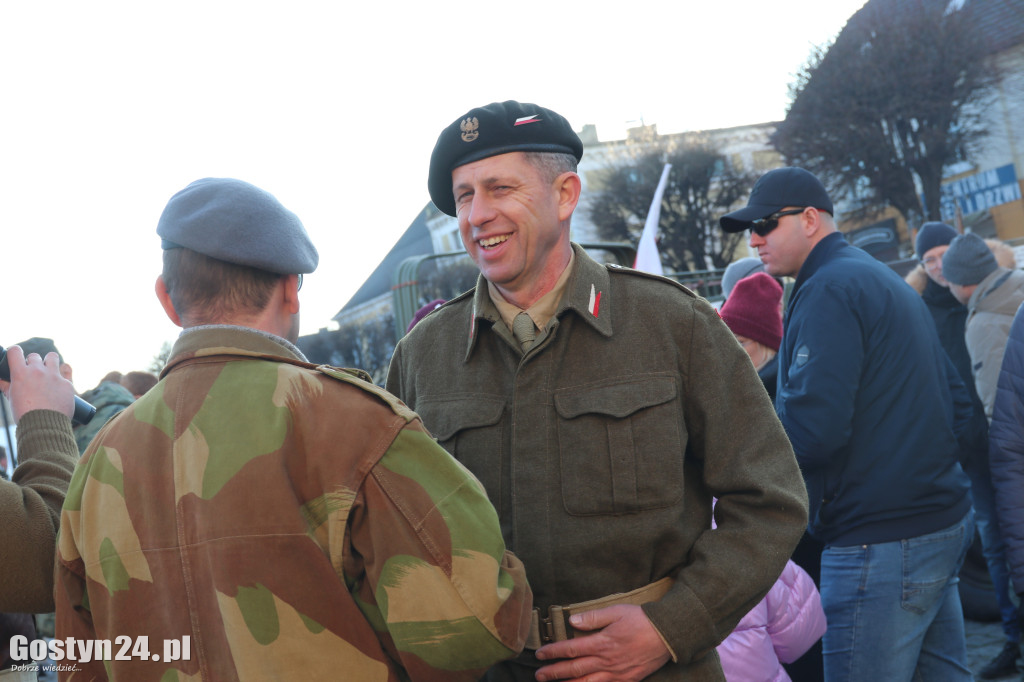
{"x":864,"y":394}
{"x":598,"y":407}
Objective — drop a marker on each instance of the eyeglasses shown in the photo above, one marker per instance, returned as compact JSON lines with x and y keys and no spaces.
{"x":931,"y":261}
{"x":764,"y":226}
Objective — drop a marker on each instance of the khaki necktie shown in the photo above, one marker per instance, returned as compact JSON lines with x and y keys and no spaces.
{"x":524,"y":331}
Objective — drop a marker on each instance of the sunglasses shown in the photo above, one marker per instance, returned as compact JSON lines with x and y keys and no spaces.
{"x":764,"y":226}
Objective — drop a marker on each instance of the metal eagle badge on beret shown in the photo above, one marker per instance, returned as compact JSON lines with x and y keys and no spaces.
{"x":498,"y":128}
{"x":470,"y":129}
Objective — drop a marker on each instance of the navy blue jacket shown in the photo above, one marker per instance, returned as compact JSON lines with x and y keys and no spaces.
{"x":1006,"y":439}
{"x":950,"y":317}
{"x":865,"y":398}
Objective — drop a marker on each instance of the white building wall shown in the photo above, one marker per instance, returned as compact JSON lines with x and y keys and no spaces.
{"x":1004,"y":120}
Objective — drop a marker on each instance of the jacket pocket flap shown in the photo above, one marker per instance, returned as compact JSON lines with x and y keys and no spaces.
{"x":444,"y":417}
{"x":618,"y":399}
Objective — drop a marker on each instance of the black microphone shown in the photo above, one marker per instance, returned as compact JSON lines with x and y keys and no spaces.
{"x":84,"y":412}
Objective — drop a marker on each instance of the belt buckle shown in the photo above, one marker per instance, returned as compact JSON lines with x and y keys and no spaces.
{"x":547,"y":630}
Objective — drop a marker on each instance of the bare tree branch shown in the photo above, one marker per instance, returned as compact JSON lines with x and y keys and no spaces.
{"x":702,"y":186}
{"x":896,"y":99}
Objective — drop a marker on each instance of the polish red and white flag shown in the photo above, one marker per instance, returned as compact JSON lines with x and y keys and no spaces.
{"x":648,"y":258}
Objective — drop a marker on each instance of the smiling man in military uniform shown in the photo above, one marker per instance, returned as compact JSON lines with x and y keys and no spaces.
{"x":599,"y":407}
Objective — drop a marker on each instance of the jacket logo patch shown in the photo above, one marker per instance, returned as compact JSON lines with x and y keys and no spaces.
{"x":803,"y":354}
{"x":470,"y":129}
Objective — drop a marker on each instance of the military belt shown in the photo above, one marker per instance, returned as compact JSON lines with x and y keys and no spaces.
{"x":556,"y":627}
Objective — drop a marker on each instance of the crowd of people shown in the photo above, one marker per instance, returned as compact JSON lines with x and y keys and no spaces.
{"x":575,"y":471}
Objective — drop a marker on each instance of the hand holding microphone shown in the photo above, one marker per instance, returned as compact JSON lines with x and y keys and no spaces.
{"x":39,"y":385}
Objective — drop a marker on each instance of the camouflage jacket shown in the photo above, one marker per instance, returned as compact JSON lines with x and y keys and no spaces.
{"x":108,"y":398}
{"x":293,"y":522}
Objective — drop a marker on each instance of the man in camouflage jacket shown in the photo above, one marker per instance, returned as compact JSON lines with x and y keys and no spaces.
{"x":294,"y":522}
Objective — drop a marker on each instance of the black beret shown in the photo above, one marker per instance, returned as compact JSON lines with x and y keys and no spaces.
{"x":498,"y":128}
{"x":233,"y":221}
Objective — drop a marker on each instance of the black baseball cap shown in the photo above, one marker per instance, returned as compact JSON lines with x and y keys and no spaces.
{"x":774,"y":191}
{"x":498,"y":128}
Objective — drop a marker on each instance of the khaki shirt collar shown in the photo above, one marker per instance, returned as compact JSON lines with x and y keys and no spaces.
{"x":585,"y":293}
{"x":540,"y":312}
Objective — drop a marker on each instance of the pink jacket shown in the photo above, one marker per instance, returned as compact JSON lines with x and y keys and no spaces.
{"x":784,"y":625}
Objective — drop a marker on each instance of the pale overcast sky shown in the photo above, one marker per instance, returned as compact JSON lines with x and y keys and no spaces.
{"x":109,"y":108}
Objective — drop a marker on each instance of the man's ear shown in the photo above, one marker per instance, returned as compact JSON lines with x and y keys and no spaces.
{"x":811,"y":218}
{"x":568,"y":186}
{"x":291,"y":293}
{"x":165,"y":300}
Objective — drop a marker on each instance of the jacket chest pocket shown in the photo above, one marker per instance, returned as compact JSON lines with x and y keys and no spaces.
{"x":471,"y":430}
{"x":620,"y":445}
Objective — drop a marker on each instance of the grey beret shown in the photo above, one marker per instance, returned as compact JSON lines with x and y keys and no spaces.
{"x":737,"y":270}
{"x":968,"y":260}
{"x":233,"y":221}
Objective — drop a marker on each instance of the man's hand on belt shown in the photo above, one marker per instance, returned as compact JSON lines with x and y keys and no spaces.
{"x":625,"y":647}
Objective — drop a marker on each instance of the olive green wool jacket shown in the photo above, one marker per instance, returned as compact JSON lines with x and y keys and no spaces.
{"x":603,"y":447}
{"x":30,"y":510}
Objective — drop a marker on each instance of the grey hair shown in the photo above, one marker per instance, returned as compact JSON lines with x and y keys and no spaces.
{"x":552,"y":164}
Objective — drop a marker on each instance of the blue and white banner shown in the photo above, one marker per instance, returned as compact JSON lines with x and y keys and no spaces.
{"x":979,"y":192}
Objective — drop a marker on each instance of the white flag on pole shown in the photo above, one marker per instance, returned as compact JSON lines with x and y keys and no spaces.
{"x":647,"y":257}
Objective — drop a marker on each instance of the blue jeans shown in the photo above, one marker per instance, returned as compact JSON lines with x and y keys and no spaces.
{"x":893,"y":608}
{"x":993,"y":547}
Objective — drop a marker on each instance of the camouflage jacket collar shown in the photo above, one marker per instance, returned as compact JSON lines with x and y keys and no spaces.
{"x":230,"y":340}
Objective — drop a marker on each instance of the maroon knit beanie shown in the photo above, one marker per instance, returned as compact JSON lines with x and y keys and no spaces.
{"x":752,"y":310}
{"x":423,"y":312}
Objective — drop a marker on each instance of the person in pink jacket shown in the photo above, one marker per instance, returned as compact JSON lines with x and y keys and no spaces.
{"x":784,"y":625}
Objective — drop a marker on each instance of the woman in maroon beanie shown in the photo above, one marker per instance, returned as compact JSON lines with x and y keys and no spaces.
{"x":753,"y":312}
